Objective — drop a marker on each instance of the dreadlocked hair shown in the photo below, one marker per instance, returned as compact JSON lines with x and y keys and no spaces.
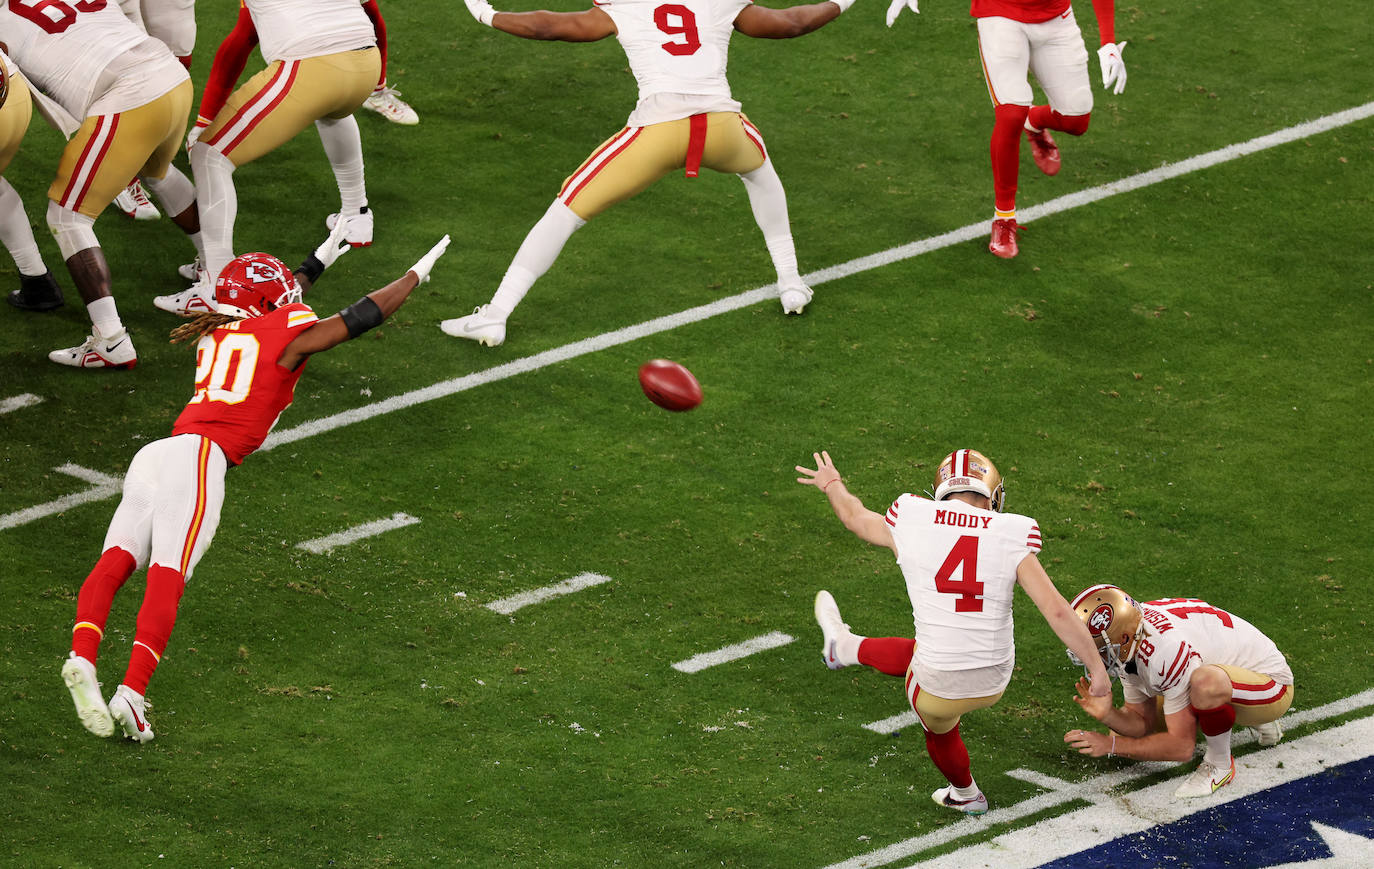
{"x":200,"y":326}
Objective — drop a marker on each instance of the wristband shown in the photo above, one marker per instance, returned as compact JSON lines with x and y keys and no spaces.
{"x":837,"y":479}
{"x":311,"y":269}
{"x":362,"y":315}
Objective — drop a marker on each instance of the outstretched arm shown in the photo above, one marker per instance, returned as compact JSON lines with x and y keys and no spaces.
{"x":589,"y":25}
{"x":764,"y":23}
{"x":366,"y":313}
{"x":1062,"y":620}
{"x":866,"y":525}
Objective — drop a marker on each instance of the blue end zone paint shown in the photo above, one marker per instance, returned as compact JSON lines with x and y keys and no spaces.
{"x":1265,"y":829}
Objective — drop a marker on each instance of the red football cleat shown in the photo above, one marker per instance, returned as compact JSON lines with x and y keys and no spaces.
{"x":1044,"y":151}
{"x":1003,"y":241}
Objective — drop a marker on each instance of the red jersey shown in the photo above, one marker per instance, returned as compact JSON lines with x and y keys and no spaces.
{"x":1025,"y":11}
{"x":240,"y":388}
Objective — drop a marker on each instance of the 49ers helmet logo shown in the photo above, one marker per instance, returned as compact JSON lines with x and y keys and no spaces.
{"x":1100,"y":619}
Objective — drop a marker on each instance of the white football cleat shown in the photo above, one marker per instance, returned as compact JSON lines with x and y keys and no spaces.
{"x":127,"y":708}
{"x":1206,"y":779}
{"x":79,"y":674}
{"x":134,"y":202}
{"x":1268,"y":734}
{"x":832,"y":626}
{"x":116,"y":351}
{"x":190,"y":302}
{"x":195,"y":271}
{"x":794,"y":298}
{"x":945,"y":797}
{"x":357,"y":227}
{"x":477,"y":326}
{"x":387,"y":102}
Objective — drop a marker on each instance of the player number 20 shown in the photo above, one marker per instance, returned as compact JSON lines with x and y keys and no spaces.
{"x":675,"y":19}
{"x":224,"y":370}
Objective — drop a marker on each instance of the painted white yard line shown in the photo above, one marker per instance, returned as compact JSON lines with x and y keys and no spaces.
{"x":15,"y":402}
{"x":507,"y":605}
{"x":853,"y":267}
{"x":102,"y":487}
{"x":697,"y":663}
{"x":1060,"y":792}
{"x":325,"y":545}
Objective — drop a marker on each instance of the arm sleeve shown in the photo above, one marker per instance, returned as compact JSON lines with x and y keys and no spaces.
{"x":1105,"y":10}
{"x":230,"y":59}
{"x":374,"y":14}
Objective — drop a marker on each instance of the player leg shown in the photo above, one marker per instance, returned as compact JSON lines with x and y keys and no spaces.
{"x":38,"y":289}
{"x":349,"y":77}
{"x":1260,"y":701}
{"x":1059,"y":61}
{"x":1209,"y":692}
{"x":844,"y":648}
{"x":1005,"y":51}
{"x":183,"y":522}
{"x":621,"y":167}
{"x":940,"y":722}
{"x":105,"y":152}
{"x":384,"y":100}
{"x":168,"y":183}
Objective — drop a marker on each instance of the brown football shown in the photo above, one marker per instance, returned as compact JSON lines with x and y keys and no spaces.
{"x":669,"y":385}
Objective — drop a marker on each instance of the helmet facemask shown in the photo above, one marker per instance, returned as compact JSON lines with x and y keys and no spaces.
{"x":1115,"y":622}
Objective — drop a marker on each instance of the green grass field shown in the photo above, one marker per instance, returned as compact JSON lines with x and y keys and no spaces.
{"x":1175,"y":382}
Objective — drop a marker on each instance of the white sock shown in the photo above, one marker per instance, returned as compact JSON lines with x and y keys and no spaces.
{"x":174,"y":191}
{"x":537,"y":253}
{"x":769,"y":203}
{"x":218,"y":202}
{"x":969,"y":793}
{"x":1218,"y":751}
{"x":847,"y":648}
{"x":17,"y":233}
{"x":104,"y":317}
{"x":343,"y":145}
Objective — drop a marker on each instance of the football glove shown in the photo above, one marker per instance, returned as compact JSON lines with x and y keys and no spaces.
{"x":481,"y":10}
{"x":426,"y":263}
{"x":896,"y":9}
{"x":1113,"y":67}
{"x":194,"y":136}
{"x":333,"y":247}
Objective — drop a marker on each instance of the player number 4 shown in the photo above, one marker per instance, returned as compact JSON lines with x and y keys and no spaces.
{"x":963,"y":559}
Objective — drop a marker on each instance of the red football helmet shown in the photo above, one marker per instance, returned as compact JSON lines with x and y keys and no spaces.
{"x":254,"y":284}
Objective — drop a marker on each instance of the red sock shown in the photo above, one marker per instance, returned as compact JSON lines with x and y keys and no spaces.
{"x":93,"y":601}
{"x":1006,"y":154}
{"x":890,"y":655}
{"x":1044,"y":117}
{"x":155,"y":620}
{"x":1216,"y":721}
{"x":379,"y":28}
{"x":185,"y":61}
{"x":950,"y":755}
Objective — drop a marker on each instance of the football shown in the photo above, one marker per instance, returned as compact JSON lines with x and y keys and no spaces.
{"x":669,"y":385}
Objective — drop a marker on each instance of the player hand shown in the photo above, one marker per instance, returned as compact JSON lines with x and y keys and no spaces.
{"x":1098,"y":706}
{"x":333,"y":247}
{"x":481,"y":10}
{"x":194,"y":136}
{"x":1089,"y":742}
{"x":1113,"y":67}
{"x":896,"y":9}
{"x":426,"y":263}
{"x":823,"y":475}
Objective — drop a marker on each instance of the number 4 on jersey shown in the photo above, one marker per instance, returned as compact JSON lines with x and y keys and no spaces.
{"x":963,"y":559}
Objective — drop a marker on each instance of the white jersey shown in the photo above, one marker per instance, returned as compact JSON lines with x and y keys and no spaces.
{"x":960,"y":566}
{"x":91,"y":63}
{"x":1182,"y":634}
{"x":298,"y":29}
{"x":677,"y":52}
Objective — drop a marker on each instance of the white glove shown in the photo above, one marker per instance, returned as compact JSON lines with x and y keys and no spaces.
{"x":1113,"y":67}
{"x":333,"y":247}
{"x":194,"y":136}
{"x":481,"y":10}
{"x":426,"y":263}
{"x":896,"y":9}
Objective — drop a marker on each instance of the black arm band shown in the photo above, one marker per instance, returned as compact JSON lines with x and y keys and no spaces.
{"x":311,"y":269}
{"x":361,"y":316}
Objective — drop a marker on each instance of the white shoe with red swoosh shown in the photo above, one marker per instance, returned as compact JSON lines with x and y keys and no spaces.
{"x":126,"y":707}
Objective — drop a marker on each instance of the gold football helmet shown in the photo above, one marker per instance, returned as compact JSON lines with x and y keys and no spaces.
{"x":969,"y":471}
{"x":1115,"y":622}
